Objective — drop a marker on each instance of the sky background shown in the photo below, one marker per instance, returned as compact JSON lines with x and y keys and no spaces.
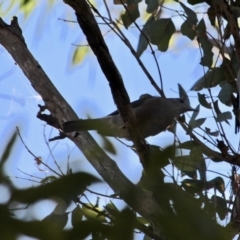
{"x":84,"y":86}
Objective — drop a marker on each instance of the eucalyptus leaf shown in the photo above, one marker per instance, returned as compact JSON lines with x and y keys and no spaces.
{"x":211,"y":79}
{"x":217,"y":110}
{"x":224,"y":116}
{"x":195,"y":113}
{"x":225,"y":94}
{"x":197,"y":123}
{"x":129,"y":16}
{"x":191,"y":15}
{"x":208,"y":131}
{"x":202,"y":100}
{"x":206,"y":45}
{"x":160,"y":32}
{"x":188,"y":31}
{"x":188,"y":145}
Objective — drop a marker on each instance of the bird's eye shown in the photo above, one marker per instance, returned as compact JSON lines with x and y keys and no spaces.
{"x":181,"y":100}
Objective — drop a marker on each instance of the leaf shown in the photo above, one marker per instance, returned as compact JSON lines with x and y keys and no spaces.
{"x":58,"y":221}
{"x":79,"y":54}
{"x":112,"y":209}
{"x":217,"y":110}
{"x":193,"y":186}
{"x":188,"y":31}
{"x":196,"y":123}
{"x":193,"y":123}
{"x":211,"y":79}
{"x":206,"y":45}
{"x":211,"y":15}
{"x":195,"y":113}
{"x":198,"y":162}
{"x":191,"y":15}
{"x":225,"y":94}
{"x":130,"y":15}
{"x":224,"y":116}
{"x":120,"y":2}
{"x":66,"y":187}
{"x":77,"y":215}
{"x":8,"y":149}
{"x":220,"y":204}
{"x":152,"y":5}
{"x":217,"y":183}
{"x":193,"y":2}
{"x":185,"y":165}
{"x":182,"y":94}
{"x":91,"y":212}
{"x":108,"y":145}
{"x":202,"y":100}
{"x":160,"y":32}
{"x":142,"y":41}
{"x":236,"y":11}
{"x":142,"y":220}
{"x":27,"y":6}
{"x":208,"y":131}
{"x":187,"y":145}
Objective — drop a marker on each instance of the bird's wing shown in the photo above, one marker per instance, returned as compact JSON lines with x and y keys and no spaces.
{"x":136,"y":103}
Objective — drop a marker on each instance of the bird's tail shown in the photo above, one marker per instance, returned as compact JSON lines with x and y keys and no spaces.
{"x":83,"y":125}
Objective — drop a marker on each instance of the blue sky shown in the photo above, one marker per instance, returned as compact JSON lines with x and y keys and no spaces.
{"x":86,"y":89}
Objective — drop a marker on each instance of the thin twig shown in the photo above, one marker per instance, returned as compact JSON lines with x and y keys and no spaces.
{"x":35,"y":155}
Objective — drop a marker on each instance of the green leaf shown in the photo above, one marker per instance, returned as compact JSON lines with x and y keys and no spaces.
{"x":236,"y":11}
{"x":220,"y":205}
{"x":66,"y":187}
{"x":142,"y":220}
{"x":185,"y":165}
{"x":206,"y":45}
{"x":142,"y":41}
{"x":195,"y":113}
{"x":188,"y":145}
{"x":77,"y":215}
{"x":225,"y":94}
{"x":224,"y":116}
{"x":129,"y":16}
{"x":211,"y":79}
{"x":217,"y":183}
{"x":193,"y":2}
{"x":27,"y":6}
{"x":193,"y":186}
{"x":198,"y":162}
{"x":8,"y":149}
{"x":191,"y":15}
{"x":188,"y":31}
{"x":208,"y":131}
{"x":217,"y":110}
{"x":79,"y":54}
{"x":112,"y":209}
{"x":196,"y":123}
{"x":91,"y":212}
{"x":108,"y":145}
{"x":152,"y":5}
{"x":211,"y":15}
{"x":160,"y":32}
{"x":202,"y":100}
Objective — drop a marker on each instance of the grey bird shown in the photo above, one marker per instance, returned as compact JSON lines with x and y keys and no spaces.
{"x":153,"y":114}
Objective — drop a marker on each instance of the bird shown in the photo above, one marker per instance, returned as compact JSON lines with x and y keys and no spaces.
{"x":153,"y":114}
